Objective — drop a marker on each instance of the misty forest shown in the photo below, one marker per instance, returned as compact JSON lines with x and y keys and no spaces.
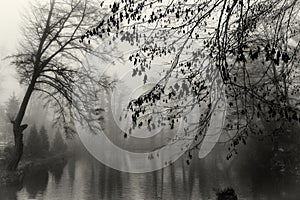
{"x":150,"y":99}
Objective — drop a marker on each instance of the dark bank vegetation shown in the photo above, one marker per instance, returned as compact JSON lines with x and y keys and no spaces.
{"x":38,"y":152}
{"x":39,"y":149}
{"x":226,"y":194}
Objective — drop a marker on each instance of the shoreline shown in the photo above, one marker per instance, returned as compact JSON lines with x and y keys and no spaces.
{"x":13,"y":178}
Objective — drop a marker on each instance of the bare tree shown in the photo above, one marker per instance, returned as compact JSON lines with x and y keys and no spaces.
{"x":245,"y":50}
{"x":49,"y":60}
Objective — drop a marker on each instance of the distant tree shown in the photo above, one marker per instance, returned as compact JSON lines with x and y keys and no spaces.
{"x":12,"y":107}
{"x":44,"y":141}
{"x":2,"y":121}
{"x":59,"y":145}
{"x":33,"y":146}
{"x":10,"y":111}
{"x":37,"y":144}
{"x":49,"y":61}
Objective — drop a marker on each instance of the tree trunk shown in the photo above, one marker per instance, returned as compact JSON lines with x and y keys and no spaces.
{"x":18,"y":148}
{"x":18,"y":128}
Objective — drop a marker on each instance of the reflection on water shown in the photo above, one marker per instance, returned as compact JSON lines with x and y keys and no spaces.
{"x":36,"y":186}
{"x":82,"y":177}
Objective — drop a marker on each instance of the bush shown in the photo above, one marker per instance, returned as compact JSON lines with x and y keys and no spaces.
{"x":8,"y":154}
{"x":226,"y":194}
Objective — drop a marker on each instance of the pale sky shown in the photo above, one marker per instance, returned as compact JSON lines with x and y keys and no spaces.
{"x":10,"y":15}
{"x":10,"y":22}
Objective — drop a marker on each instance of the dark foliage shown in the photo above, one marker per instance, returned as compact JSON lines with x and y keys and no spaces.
{"x":58,"y":146}
{"x":37,"y":143}
{"x":226,"y":194}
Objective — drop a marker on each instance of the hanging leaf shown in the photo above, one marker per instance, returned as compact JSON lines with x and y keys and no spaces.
{"x":145,"y":78}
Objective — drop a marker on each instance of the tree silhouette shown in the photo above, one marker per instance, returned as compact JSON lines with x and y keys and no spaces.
{"x":59,"y":146}
{"x":33,"y":147}
{"x":12,"y":107}
{"x":2,"y":120}
{"x":242,"y":52}
{"x":45,"y":146}
{"x":49,"y":61}
{"x":37,"y":144}
{"x":10,"y":111}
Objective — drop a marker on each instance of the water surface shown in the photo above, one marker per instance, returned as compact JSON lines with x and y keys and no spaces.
{"x":82,"y":177}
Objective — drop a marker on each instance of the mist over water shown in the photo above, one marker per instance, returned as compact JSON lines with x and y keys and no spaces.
{"x":83,"y":177}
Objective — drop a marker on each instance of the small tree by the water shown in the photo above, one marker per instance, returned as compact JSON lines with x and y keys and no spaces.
{"x":59,"y":146}
{"x":44,"y":141}
{"x":33,"y":146}
{"x":37,"y":143}
{"x":12,"y":107}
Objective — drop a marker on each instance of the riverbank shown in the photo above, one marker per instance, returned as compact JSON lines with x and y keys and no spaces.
{"x":8,"y":178}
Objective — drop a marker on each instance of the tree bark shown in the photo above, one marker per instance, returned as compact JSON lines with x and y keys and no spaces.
{"x":18,"y":128}
{"x":18,"y":148}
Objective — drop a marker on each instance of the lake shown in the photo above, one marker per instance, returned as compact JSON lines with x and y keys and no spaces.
{"x":84,"y":178}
